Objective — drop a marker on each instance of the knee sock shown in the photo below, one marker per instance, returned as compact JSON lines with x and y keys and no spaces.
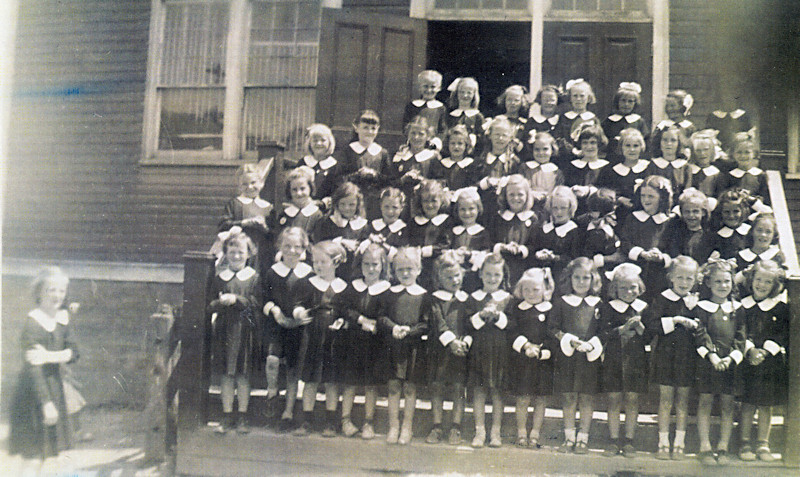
{"x":663,"y":439}
{"x":679,"y":436}
{"x":569,"y":434}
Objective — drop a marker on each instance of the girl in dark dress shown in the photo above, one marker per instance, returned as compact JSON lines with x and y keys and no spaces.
{"x":765,"y":372}
{"x":301,"y":211}
{"x":626,"y":102}
{"x":729,"y":229}
{"x":580,"y":95}
{"x":671,"y":318}
{"x":463,"y":108}
{"x":344,"y":225}
{"x":688,"y":232}
{"x":746,"y":175}
{"x":497,"y":162}
{"x":237,"y":320}
{"x":390,"y":228}
{"x":514,"y":225}
{"x":40,"y":424}
{"x":361,"y":355}
{"x":469,"y":239}
{"x":706,"y":176}
{"x":582,"y":172}
{"x":623,"y":176}
{"x":762,"y":241}
{"x":542,"y":174}
{"x":363,"y":158}
{"x":320,"y":144}
{"x":557,"y":241}
{"x":668,"y":159}
{"x":530,"y":369}
{"x":428,"y":225}
{"x":459,"y":169}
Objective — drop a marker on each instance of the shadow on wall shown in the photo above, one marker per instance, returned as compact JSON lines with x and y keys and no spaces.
{"x":109,"y":331}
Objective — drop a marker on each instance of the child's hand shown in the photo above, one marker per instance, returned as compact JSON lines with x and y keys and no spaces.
{"x":399,"y":332}
{"x":368,"y":325}
{"x":50,"y":414}
{"x":544,"y":254}
{"x":626,"y":202}
{"x":726,"y":362}
{"x":349,"y":244}
{"x":584,"y":347}
{"x":755,"y":356}
{"x":227,"y":299}
{"x":516,"y":144}
{"x":301,"y":315}
{"x":532,"y":350}
{"x":457,"y":348}
{"x":576,"y":343}
{"x":37,"y":355}
{"x":580,"y":191}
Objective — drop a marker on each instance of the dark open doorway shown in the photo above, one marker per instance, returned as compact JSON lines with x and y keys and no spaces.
{"x":497,"y":54}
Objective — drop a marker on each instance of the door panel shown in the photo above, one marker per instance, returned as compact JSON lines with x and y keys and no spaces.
{"x":604,"y":54}
{"x":368,"y":61}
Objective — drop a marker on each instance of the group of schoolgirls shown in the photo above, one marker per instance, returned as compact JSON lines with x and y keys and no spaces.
{"x":510,"y":267}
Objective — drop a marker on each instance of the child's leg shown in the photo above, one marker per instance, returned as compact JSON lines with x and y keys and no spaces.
{"x":570,"y":407}
{"x":746,"y":422}
{"x":704,"y":421}
{"x":243,"y":392}
{"x":309,"y":396}
{"x":479,"y":411}
{"x":614,"y":409}
{"x":292,"y":377}
{"x":665,"y":399}
{"x":227,"y":392}
{"x":681,"y":416}
{"x":521,"y":411}
{"x":348,"y":398}
{"x":331,"y":403}
{"x":631,"y":414}
{"x":726,"y":421}
{"x":410,"y":393}
{"x":764,"y":426}
{"x":497,"y":417}
{"x":394,"y":410}
{"x":586,"y":404}
{"x":437,"y":403}
{"x":540,"y":403}
{"x":272,"y":370}
{"x":458,"y":404}
{"x":370,"y":397}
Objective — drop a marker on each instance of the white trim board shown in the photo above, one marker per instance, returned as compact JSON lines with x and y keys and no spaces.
{"x":97,"y":270}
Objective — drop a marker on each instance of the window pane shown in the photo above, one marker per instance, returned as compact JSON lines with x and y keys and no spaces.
{"x":194,"y":44}
{"x":277,"y":114}
{"x":191,"y":119}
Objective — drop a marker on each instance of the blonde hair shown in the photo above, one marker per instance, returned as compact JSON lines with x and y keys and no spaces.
{"x":45,"y":275}
{"x":631,"y":133}
{"x":332,"y":249}
{"x":625,"y":271}
{"x":562,"y":192}
{"x":410,"y":254}
{"x":318,"y":129}
{"x":516,"y":180}
{"x":453,"y":101}
{"x":536,"y":275}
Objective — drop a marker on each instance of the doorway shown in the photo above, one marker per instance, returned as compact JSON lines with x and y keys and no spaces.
{"x":496,"y":54}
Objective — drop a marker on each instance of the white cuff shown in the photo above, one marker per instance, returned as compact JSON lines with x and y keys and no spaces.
{"x":596,"y":351}
{"x":544,"y":355}
{"x":667,"y":325}
{"x":772,"y":347}
{"x":566,"y":344}
{"x":427,"y":251}
{"x":476,"y":321}
{"x":599,"y":260}
{"x":468,"y":341}
{"x":635,"y":252}
{"x":519,"y":343}
{"x":667,"y":259}
{"x":484,"y":183}
{"x":737,"y":356}
{"x":702,"y":351}
{"x":502,"y":321}
{"x":748,"y":345}
{"x":268,"y":307}
{"x":446,"y":338}
{"x":524,"y":251}
{"x":437,"y":143}
{"x":498,"y":247}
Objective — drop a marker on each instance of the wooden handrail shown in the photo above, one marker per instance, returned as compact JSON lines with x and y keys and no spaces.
{"x":785,"y":234}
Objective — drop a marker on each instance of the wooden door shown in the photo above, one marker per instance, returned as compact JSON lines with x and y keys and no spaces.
{"x":604,"y":54}
{"x":368,"y":61}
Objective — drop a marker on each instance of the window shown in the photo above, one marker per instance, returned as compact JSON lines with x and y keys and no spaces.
{"x":225,"y":75}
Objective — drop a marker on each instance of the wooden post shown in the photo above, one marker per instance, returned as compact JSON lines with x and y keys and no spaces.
{"x":273,"y":190}
{"x":158,"y":337}
{"x":791,"y":421}
{"x":193,"y":330}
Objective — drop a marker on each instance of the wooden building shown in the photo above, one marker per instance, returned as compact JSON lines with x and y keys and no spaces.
{"x":129,"y":117}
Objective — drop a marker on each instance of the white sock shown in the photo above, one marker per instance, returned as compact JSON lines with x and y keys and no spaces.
{"x":679,"y":435}
{"x":569,"y":434}
{"x":663,"y":439}
{"x":583,"y":437}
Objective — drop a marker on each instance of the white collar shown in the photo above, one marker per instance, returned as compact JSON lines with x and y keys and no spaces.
{"x":373,"y":148}
{"x":431,"y":103}
{"x":301,"y":270}
{"x":380,"y":224}
{"x":490,"y":158}
{"x":708,"y":171}
{"x":539,"y":118}
{"x":497,"y":295}
{"x":244,"y":274}
{"x":739,"y":173}
{"x":727,"y":232}
{"x":542,"y":307}
{"x":766,"y":304}
{"x":575,"y":300}
{"x":689,"y":300}
{"x":404,"y":154}
{"x":49,"y":322}
{"x":631,"y":118}
{"x":437,"y":221}
{"x":445,"y":295}
{"x":719,"y":114}
{"x":642,"y":216}
{"x":523,"y":216}
{"x":546,"y":167}
{"x":662,"y":163}
{"x":466,"y":112}
{"x":621,"y":307}
{"x":586,"y":115}
{"x":735,"y":114}
{"x":324,"y":164}
{"x":768,"y":254}
{"x":593,"y":165}
{"x":375,"y":289}
{"x":258,"y":201}
{"x":685,"y":123}
{"x":711,"y":307}
{"x":323,"y":285}
{"x":471,"y":230}
{"x":463,"y":163}
{"x":562,"y":230}
{"x":637,"y":168}
{"x":414,"y":289}
{"x":356,"y":223}
{"x":291,"y":210}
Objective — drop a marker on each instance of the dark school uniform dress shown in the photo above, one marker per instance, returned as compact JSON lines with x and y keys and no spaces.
{"x":320,"y":336}
{"x":674,"y":352}
{"x":529,"y":323}
{"x":425,"y":163}
{"x":543,"y":178}
{"x":38,"y":385}
{"x":622,"y":179}
{"x":477,"y":241}
{"x":238,"y":327}
{"x":426,"y":234}
{"x":687,"y":128}
{"x":579,"y":172}
{"x":305,"y":218}
{"x":767,"y":321}
{"x":488,"y":356}
{"x":599,"y":240}
{"x":537,"y":122}
{"x":679,"y":240}
{"x":728,"y":242}
{"x":360,"y":355}
{"x":722,"y":331}
{"x":568,"y":127}
{"x":509,"y":227}
{"x":327,"y":174}
{"x":405,"y":306}
{"x":575,"y":317}
{"x":677,"y":171}
{"x":240,"y":208}
{"x":336,"y":228}
{"x":458,"y":174}
{"x":281,"y":289}
{"x":563,"y":240}
{"x":472,"y":119}
{"x":625,"y":363}
{"x":753,"y":180}
{"x":613,"y":126}
{"x":447,"y":317}
{"x":364,"y":166}
{"x":393,"y":235}
{"x":433,"y":110}
{"x":708,"y":180}
{"x":747,"y":257}
{"x":493,"y":171}
{"x":728,"y":123}
{"x":640,"y":232}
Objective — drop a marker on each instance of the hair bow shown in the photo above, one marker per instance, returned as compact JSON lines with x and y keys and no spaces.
{"x":576,"y":132}
{"x":624,"y":269}
{"x":752,"y":133}
{"x":728,"y":265}
{"x":573,"y":82}
{"x":468,"y":193}
{"x":454,"y":85}
{"x":688,"y":102}
{"x":631,"y":86}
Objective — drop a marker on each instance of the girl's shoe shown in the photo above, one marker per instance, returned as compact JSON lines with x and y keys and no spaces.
{"x":435,"y":436}
{"x":367,"y":432}
{"x":628,"y":450}
{"x":480,"y":438}
{"x":581,"y":448}
{"x":348,"y":428}
{"x":723,"y":458}
{"x":522,"y":441}
{"x":678,"y":453}
{"x":454,"y":438}
{"x":241,"y":425}
{"x":746,"y":453}
{"x":405,"y":436}
{"x":329,"y":430}
{"x":495,"y":440}
{"x":707,"y":458}
{"x":303,"y":429}
{"x":393,"y":435}
{"x":612,"y":449}
{"x":566,"y":446}
{"x":285,"y":424}
{"x":764,"y":453}
{"x":663,"y":453}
